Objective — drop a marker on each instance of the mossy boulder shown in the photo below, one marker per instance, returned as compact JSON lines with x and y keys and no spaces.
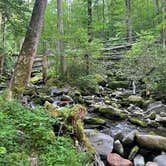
{"x":95,"y":121}
{"x":138,"y":100}
{"x":114,"y":84}
{"x":110,"y":112}
{"x":138,"y":122}
{"x":152,"y":116}
{"x":151,"y":142}
{"x":101,"y":80}
{"x":133,"y":152}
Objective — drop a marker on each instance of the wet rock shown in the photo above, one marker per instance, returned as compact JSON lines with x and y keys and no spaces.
{"x":138,"y":100}
{"x":95,"y":121}
{"x":103,"y":143}
{"x":151,"y":164}
{"x":133,"y":152}
{"x":138,"y":122}
{"x":160,"y":160}
{"x":157,"y":107}
{"x":110,"y":112}
{"x":151,"y":142}
{"x":152,"y":116}
{"x":66,"y":98}
{"x":139,"y":160}
{"x":118,"y":147}
{"x":130,"y":138}
{"x":161,"y":120}
{"x":116,"y":160}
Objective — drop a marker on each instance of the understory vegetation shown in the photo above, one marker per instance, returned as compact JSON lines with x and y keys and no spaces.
{"x":28,"y":134}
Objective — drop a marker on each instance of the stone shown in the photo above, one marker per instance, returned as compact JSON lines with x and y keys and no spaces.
{"x":138,"y":122}
{"x":130,"y":138}
{"x":102,"y":143}
{"x":110,"y":112}
{"x":66,"y":98}
{"x":156,"y":107}
{"x":151,"y":142}
{"x":152,"y":116}
{"x":139,"y":160}
{"x":116,"y":160}
{"x":118,"y":147}
{"x":95,"y":121}
{"x":160,"y":160}
{"x":161,"y":120}
{"x":151,"y":164}
{"x":138,"y":100}
{"x":133,"y":152}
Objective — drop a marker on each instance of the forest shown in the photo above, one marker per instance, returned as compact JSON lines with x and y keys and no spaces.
{"x":83,"y":83}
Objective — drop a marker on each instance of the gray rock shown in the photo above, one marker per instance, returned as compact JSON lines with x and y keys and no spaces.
{"x":133,"y":152}
{"x":160,"y":160}
{"x":139,"y":160}
{"x":103,"y":143}
{"x":129,"y":138}
{"x":118,"y":147}
{"x":151,"y":142}
{"x":66,"y":98}
{"x":157,"y":107}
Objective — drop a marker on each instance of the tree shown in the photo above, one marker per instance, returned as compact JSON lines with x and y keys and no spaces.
{"x":128,"y":20}
{"x":22,"y":71}
{"x":164,"y":23}
{"x":63,"y":67}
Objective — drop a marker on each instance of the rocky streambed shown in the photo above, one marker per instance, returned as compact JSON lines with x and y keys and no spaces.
{"x":125,"y":129}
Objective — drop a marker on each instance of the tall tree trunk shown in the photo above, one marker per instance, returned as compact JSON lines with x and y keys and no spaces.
{"x":63,"y":67}
{"x":2,"y":55}
{"x":164,"y":25}
{"x":128,"y":20}
{"x":22,"y":71}
{"x":157,"y":7}
{"x":87,"y":56}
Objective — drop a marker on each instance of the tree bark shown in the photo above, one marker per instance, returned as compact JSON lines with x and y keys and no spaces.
{"x":63,"y":66}
{"x":157,"y":7}
{"x":2,"y":57}
{"x":87,"y":56}
{"x":22,"y":71}
{"x":164,"y":25}
{"x":128,"y":20}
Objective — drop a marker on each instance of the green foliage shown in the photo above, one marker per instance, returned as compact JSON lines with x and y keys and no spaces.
{"x":26,"y":132}
{"x":88,"y":84}
{"x":146,"y":61}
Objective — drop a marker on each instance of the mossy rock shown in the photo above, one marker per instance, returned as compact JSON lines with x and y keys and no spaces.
{"x":95,"y":121}
{"x":138,"y":100}
{"x":152,"y":116}
{"x":100,"y":79}
{"x":109,"y":73}
{"x":110,"y":112}
{"x":138,"y":122}
{"x":118,"y":84}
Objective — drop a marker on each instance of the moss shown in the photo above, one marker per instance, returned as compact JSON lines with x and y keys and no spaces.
{"x":138,"y":122}
{"x":133,"y":152}
{"x":96,"y":121}
{"x":100,"y":79}
{"x":152,"y":116}
{"x":36,"y":78}
{"x":111,"y":112}
{"x":118,"y":84}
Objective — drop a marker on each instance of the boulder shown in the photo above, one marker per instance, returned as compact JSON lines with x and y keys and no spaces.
{"x":151,"y":164}
{"x":138,"y":100}
{"x":151,"y":142}
{"x":102,"y":143}
{"x":118,"y":147}
{"x":66,"y":98}
{"x":139,"y":160}
{"x":160,"y":160}
{"x":116,"y":160}
{"x":133,"y":152}
{"x":110,"y":112}
{"x":138,"y":122}
{"x":161,"y":120}
{"x":95,"y":121}
{"x":157,"y":107}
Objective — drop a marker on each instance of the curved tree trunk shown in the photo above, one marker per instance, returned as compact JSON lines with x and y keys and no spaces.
{"x":22,"y":71}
